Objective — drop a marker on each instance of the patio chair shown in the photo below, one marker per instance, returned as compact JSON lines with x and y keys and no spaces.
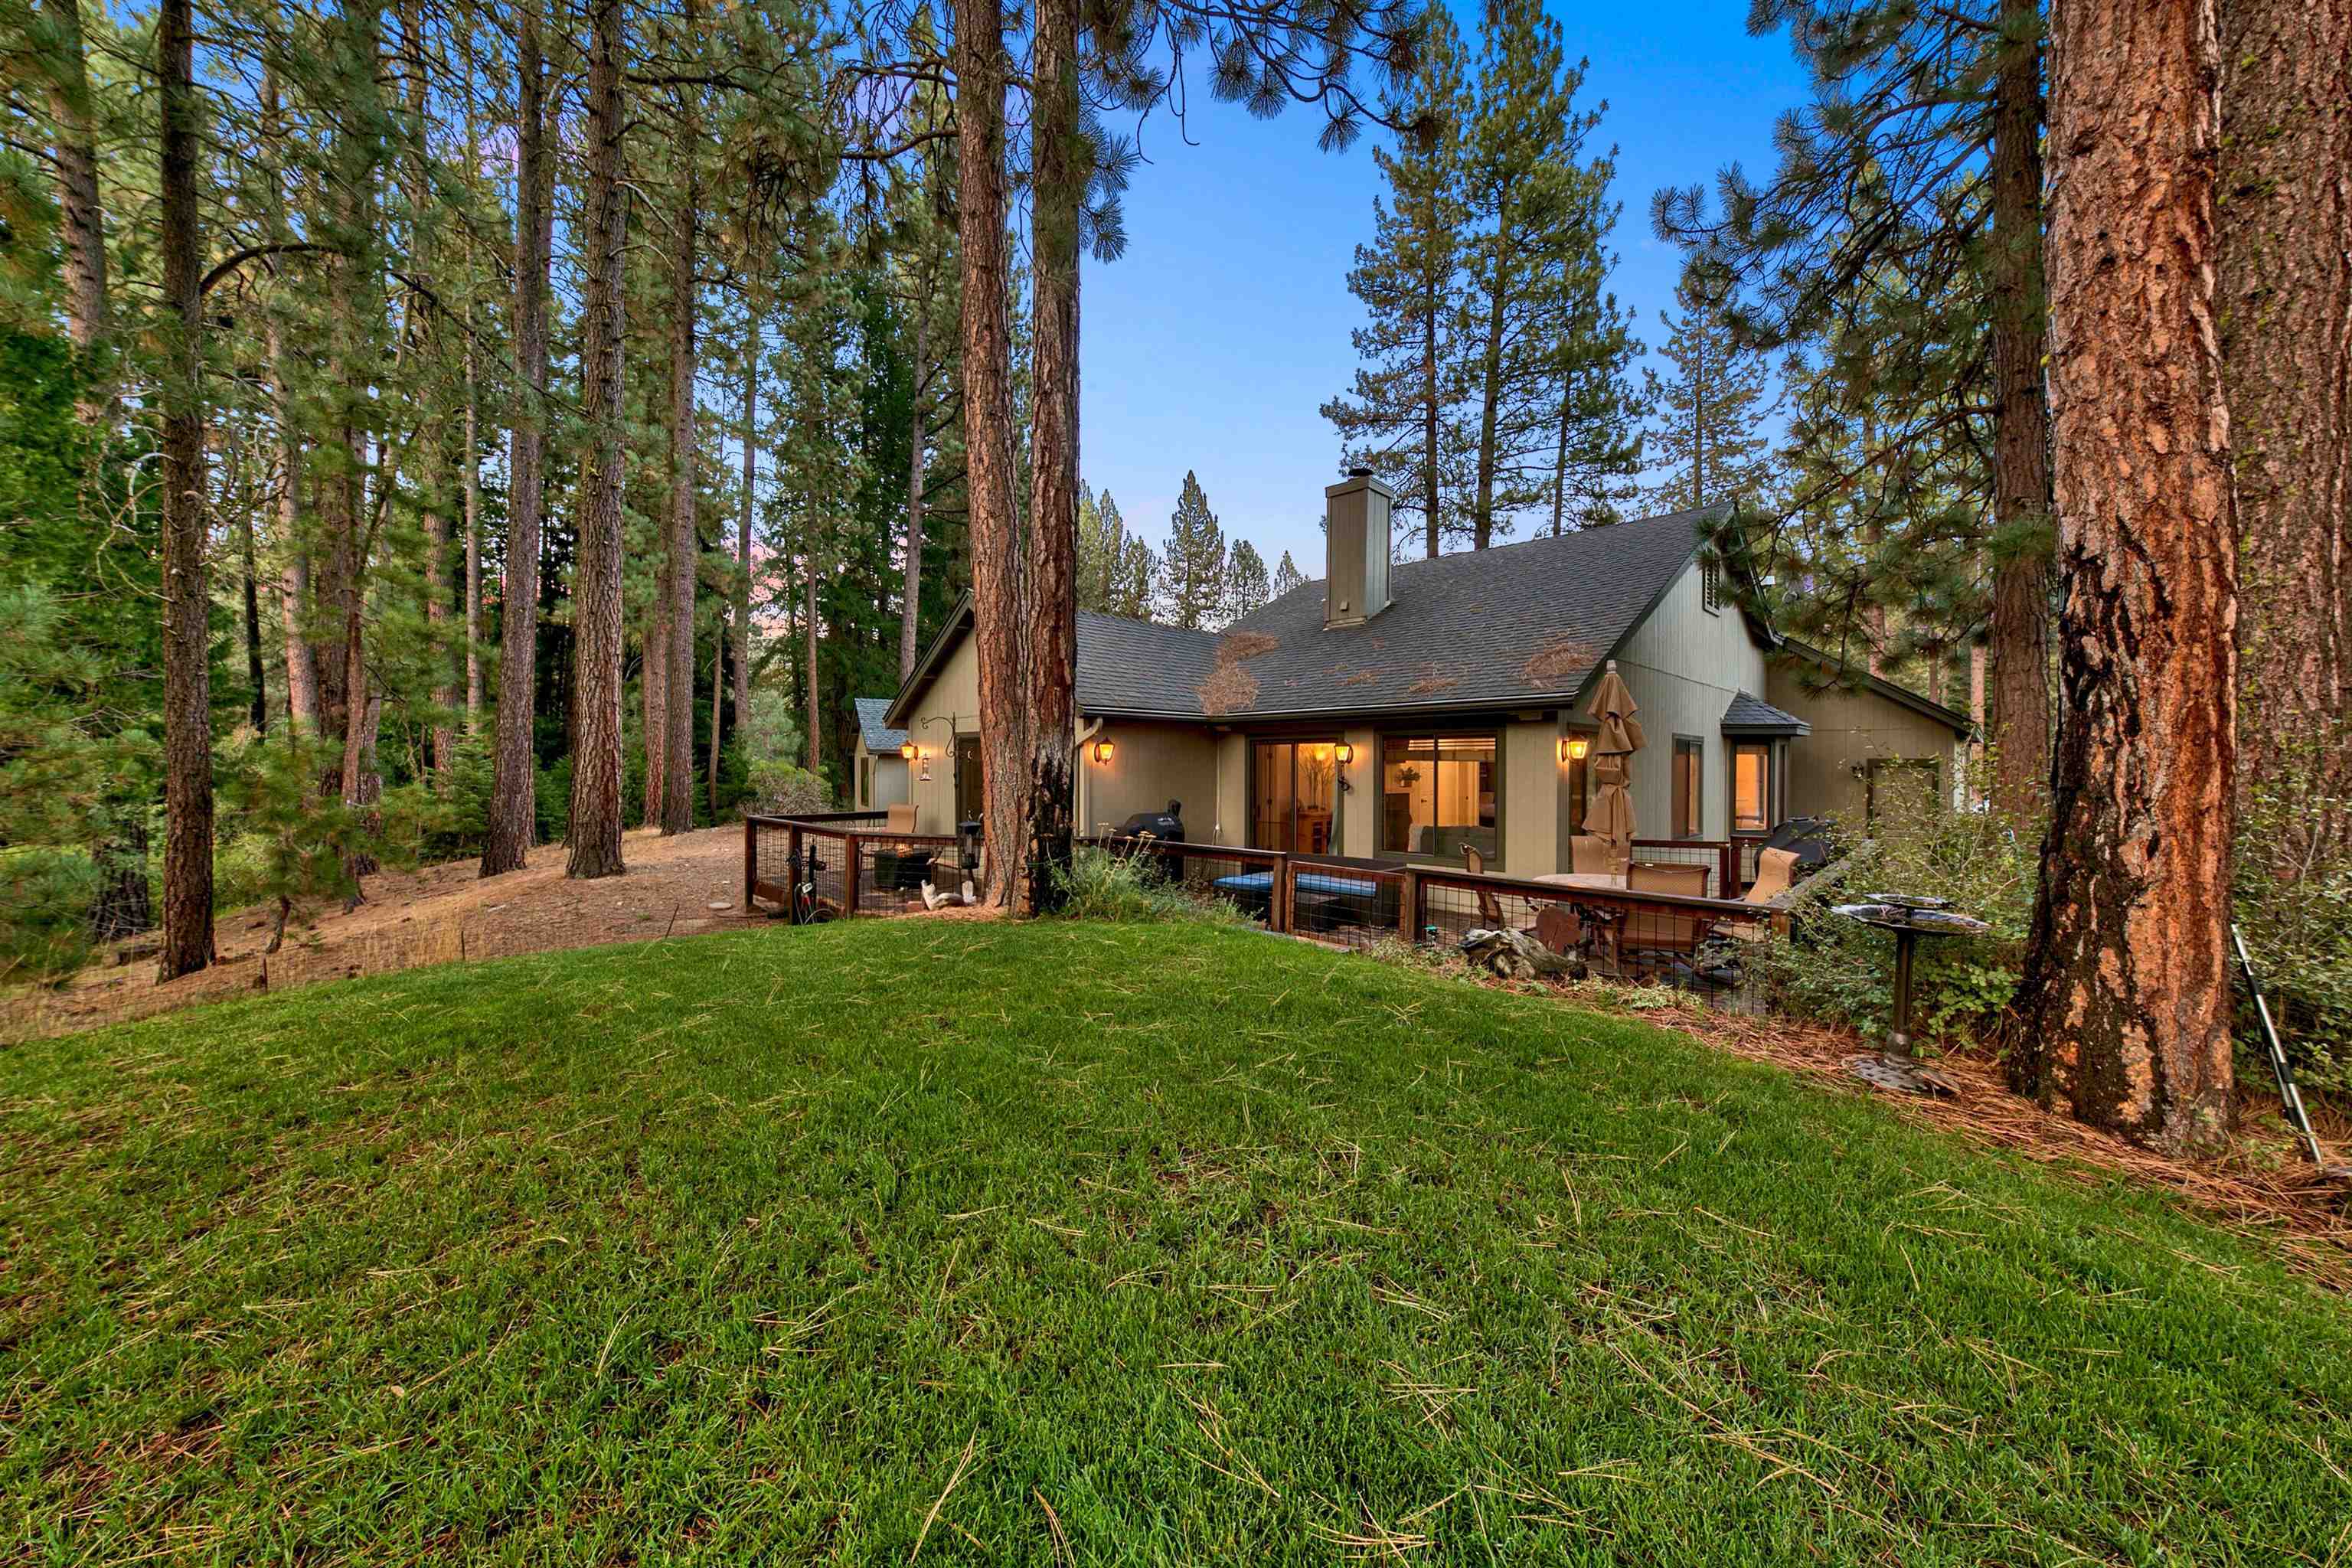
{"x":1775,"y":870}
{"x":900,"y":819}
{"x":1490,"y":908}
{"x":1673,"y":935}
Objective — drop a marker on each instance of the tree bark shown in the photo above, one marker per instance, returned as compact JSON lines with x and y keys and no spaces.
{"x":717,"y":705}
{"x":594,"y":839}
{"x":1432,"y":416}
{"x":684,"y":531}
{"x":910,"y":602}
{"x":2286,"y":363}
{"x":473,"y":496}
{"x":742,"y":630}
{"x":513,"y":823}
{"x":257,"y":708}
{"x":814,"y":750}
{"x":653,"y":678}
{"x":1062,"y":168}
{"x":2125,"y":1003}
{"x":82,"y":216}
{"x":294,"y":598}
{"x":993,"y":521}
{"x":187,"y":600}
{"x":2018,"y":635}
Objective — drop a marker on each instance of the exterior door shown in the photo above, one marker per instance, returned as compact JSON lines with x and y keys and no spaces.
{"x":1294,"y":796}
{"x":968,"y":793}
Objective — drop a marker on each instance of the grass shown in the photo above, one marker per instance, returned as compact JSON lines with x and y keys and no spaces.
{"x":1073,"y":1243}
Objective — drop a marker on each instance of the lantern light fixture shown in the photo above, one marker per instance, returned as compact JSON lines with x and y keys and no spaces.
{"x":909,"y":751}
{"x":1102,"y":750}
{"x":1345,"y":752}
{"x":1572,"y":749}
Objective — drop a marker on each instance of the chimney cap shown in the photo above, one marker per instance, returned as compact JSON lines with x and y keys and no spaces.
{"x":1360,"y":471}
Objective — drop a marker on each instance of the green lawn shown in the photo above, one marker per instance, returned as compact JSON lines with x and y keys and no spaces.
{"x":1133,"y":1244}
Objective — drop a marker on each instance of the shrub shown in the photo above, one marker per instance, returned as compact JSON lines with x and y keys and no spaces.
{"x":1839,"y":971}
{"x":2294,"y":903}
{"x":787,"y":789}
{"x":45,"y":899}
{"x":1133,"y":889}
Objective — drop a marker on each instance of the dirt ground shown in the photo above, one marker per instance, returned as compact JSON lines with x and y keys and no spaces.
{"x":437,"y":914}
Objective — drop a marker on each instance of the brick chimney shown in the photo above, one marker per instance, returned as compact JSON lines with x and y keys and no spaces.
{"x":1356,"y":549}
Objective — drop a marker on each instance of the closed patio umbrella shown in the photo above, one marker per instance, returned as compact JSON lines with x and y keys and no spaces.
{"x":1611,"y":816}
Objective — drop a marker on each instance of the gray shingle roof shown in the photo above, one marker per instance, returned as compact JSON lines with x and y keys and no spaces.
{"x":1140,"y":666}
{"x":1518,"y":624}
{"x":1754,"y":716}
{"x":879,"y":738}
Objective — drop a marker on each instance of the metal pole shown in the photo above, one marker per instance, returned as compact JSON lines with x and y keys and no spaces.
{"x":1901,"y":1036}
{"x":2290,"y":1097}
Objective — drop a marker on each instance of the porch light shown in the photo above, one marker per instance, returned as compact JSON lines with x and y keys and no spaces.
{"x":1344,"y":753}
{"x":1102,"y":751}
{"x":909,"y":750}
{"x":1572,"y":749}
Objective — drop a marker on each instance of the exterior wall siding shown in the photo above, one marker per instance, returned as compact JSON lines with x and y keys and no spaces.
{"x":1683,"y":636}
{"x":1850,"y":730}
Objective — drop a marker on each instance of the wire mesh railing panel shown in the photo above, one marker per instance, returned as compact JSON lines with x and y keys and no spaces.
{"x":1246,"y":879}
{"x":1698,"y":946}
{"x":1345,"y":903}
{"x":893,"y":868}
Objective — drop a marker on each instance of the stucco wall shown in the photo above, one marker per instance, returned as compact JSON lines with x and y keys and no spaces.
{"x":1825,"y":768}
{"x":1149,"y":765}
{"x":1660,"y":664}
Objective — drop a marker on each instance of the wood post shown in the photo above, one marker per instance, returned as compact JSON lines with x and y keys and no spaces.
{"x":851,"y":872}
{"x":1284,"y":894}
{"x":1409,"y":908}
{"x":1727,"y":884}
{"x":750,"y":860}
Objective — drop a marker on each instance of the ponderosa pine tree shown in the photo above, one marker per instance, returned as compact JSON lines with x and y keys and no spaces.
{"x":1707,"y":433}
{"x":2124,"y":1005}
{"x":1920,"y":160}
{"x":594,"y":839}
{"x":1102,"y":545}
{"x":1398,"y":420}
{"x":2285,"y":316}
{"x":1245,"y":581}
{"x":1533,"y":324}
{"x":513,"y":817}
{"x":1136,"y":580}
{"x":187,"y":603}
{"x":1286,"y":576}
{"x":1191,"y":590}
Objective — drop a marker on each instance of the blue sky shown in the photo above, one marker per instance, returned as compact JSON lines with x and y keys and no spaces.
{"x":1213,"y":341}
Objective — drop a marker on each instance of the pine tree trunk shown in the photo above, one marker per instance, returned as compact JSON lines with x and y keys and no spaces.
{"x":81,"y":217}
{"x":2019,"y":633}
{"x":685,"y":531}
{"x":596,"y":834}
{"x":988,"y":470}
{"x":2125,"y":1003}
{"x":814,"y":749}
{"x":473,"y":495}
{"x":717,"y":708}
{"x":910,"y":602}
{"x":2287,"y":361}
{"x":653,"y":684}
{"x":187,"y":641}
{"x":1491,"y":395}
{"x":296,"y":605}
{"x":1433,"y":419}
{"x":513,"y":825}
{"x":743,"y":617}
{"x":257,"y":711}
{"x":1058,"y":187}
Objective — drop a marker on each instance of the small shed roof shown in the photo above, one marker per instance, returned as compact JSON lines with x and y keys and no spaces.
{"x":879,"y":738}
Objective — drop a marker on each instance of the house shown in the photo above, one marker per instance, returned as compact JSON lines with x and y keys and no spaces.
{"x":878,"y":764}
{"x":1405,"y":711}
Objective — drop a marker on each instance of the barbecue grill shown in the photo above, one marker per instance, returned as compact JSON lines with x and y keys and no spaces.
{"x":1167,"y":826}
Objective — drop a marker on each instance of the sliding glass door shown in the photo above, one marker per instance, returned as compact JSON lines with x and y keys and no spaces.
{"x":1294,"y":792}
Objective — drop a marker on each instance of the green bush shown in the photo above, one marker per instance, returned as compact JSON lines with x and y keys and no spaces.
{"x":1841,"y":971}
{"x":1133,"y":889}
{"x":45,"y":899}
{"x":2294,"y":903}
{"x":787,"y":789}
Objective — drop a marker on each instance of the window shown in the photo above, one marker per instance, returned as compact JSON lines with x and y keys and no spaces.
{"x":1910,"y":789}
{"x":1751,"y":786}
{"x":1297,"y":797}
{"x":1437,"y":796}
{"x":865,"y":781}
{"x":969,"y":791}
{"x":1690,"y":770}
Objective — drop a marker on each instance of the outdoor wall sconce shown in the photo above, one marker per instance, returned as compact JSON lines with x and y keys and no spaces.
{"x":1345,"y":752}
{"x":1573,"y":748}
{"x":1102,"y":750}
{"x":909,"y":751}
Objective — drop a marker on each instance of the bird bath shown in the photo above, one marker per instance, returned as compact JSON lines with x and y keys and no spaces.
{"x":1910,"y":919}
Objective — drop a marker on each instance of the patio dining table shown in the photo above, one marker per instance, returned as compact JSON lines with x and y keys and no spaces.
{"x":1583,"y":879}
